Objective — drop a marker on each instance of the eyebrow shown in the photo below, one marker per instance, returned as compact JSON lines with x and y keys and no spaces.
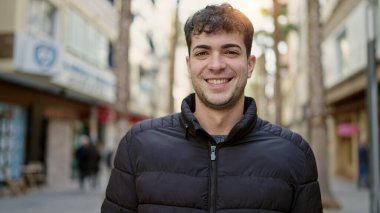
{"x":202,"y":46}
{"x":230,"y":45}
{"x":224,"y":46}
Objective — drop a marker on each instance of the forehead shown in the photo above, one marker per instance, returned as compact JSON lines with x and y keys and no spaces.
{"x":217,"y":39}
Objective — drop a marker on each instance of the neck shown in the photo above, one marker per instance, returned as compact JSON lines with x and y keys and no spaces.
{"x":218,"y":122}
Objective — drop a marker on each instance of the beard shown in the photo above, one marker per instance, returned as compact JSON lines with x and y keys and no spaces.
{"x":227,"y":103}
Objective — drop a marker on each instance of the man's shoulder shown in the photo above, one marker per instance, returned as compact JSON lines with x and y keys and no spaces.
{"x":167,"y":121}
{"x":283,"y":134}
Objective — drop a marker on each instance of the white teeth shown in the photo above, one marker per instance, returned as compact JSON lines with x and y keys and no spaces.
{"x":217,"y":81}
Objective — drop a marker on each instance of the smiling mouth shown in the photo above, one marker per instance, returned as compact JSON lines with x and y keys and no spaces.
{"x":218,"y":81}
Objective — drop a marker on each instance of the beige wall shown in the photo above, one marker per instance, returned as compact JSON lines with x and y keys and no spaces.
{"x":13,"y":15}
{"x":60,"y":140}
{"x":7,"y":20}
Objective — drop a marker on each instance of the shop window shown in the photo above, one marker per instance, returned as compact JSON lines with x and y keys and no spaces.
{"x":12,"y":139}
{"x":41,"y":18}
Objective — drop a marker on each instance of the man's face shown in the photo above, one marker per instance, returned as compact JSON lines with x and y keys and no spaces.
{"x":219,"y":68}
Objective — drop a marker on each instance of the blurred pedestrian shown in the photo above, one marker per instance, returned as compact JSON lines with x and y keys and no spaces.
{"x":94,"y":163}
{"x":363,"y":163}
{"x":109,"y":159}
{"x":82,"y":155}
{"x":216,"y":155}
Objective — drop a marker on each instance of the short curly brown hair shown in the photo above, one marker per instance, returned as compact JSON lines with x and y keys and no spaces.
{"x":214,"y":18}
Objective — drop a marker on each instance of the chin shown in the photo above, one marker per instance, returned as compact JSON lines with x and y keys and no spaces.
{"x":218,"y":99}
{"x":225,"y":103}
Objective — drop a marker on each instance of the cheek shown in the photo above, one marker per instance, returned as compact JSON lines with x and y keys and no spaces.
{"x":242,"y":69}
{"x":192,"y":73}
{"x":195,"y":69}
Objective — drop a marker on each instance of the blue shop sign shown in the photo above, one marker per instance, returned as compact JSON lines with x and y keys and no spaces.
{"x":39,"y":56}
{"x":45,"y":55}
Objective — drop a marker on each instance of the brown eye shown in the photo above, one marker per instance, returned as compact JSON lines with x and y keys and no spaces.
{"x":232,"y":53}
{"x":200,"y":53}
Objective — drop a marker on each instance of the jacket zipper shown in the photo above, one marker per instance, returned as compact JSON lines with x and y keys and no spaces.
{"x":213,"y":180}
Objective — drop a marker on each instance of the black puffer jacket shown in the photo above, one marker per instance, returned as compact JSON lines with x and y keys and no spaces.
{"x":171,"y":164}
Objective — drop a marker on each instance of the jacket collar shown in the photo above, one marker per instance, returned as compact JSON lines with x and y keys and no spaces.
{"x":242,"y":128}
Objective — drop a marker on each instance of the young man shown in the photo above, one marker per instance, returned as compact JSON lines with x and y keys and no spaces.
{"x":216,"y":155}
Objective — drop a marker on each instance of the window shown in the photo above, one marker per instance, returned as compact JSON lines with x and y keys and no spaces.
{"x":343,"y":52}
{"x":41,"y":18}
{"x":322,"y":3}
{"x":85,"y":40}
{"x":111,"y":55}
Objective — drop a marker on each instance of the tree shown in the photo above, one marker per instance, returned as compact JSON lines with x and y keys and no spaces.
{"x":173,"y":44}
{"x":317,"y":103}
{"x":122,"y":56}
{"x":280,"y":34}
{"x":277,"y":86}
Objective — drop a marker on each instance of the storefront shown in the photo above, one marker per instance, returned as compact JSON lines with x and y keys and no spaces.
{"x":37,"y":126}
{"x":349,"y":126}
{"x":13,"y":125}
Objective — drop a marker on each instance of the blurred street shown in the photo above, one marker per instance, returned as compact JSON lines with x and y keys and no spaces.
{"x":91,"y":69}
{"x":69,"y":199}
{"x":351,"y":199}
{"x":72,"y":200}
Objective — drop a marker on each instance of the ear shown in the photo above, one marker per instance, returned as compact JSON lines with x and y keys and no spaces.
{"x":188,"y":63}
{"x":251,"y":65}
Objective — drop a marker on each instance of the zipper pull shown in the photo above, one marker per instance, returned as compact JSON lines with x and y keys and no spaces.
{"x":213,"y":152}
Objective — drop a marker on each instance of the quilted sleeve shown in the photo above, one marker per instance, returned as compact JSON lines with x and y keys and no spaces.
{"x":121,"y":190}
{"x":307,"y":197}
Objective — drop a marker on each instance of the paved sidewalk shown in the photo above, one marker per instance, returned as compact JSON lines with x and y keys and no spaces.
{"x":69,"y":199}
{"x":66,"y":200}
{"x":72,"y":200}
{"x":351,"y":199}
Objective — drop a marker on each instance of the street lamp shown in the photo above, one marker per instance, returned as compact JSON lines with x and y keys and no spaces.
{"x":372,"y":100}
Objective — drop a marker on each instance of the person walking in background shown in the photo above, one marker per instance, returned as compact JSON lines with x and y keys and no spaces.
{"x":94,"y":163}
{"x":109,"y":158}
{"x":83,"y":157}
{"x":216,"y":155}
{"x":363,"y":163}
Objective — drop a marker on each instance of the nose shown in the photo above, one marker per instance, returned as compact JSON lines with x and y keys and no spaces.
{"x":216,"y":63}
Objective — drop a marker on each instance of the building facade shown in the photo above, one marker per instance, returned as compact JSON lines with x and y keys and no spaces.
{"x":344,"y":60}
{"x":345,"y":67}
{"x":56,"y":82}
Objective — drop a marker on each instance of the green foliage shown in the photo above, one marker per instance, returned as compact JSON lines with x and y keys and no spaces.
{"x":284,"y":29}
{"x":283,"y":10}
{"x":266,"y":12}
{"x":263,"y":33}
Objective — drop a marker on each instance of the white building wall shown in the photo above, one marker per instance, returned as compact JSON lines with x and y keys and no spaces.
{"x":354,"y":26}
